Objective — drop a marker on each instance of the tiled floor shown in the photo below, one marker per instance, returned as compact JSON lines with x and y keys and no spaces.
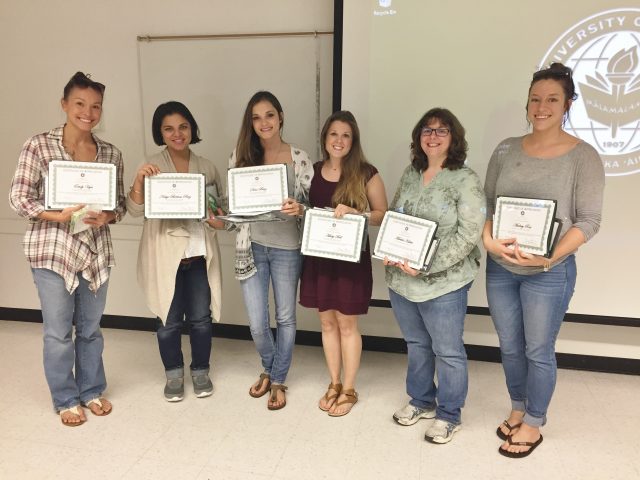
{"x":592,"y":432}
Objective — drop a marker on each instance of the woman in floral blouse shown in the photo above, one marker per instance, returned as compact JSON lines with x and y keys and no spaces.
{"x":430,"y":306}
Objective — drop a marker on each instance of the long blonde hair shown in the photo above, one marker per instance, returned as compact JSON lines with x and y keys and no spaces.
{"x":355,"y":170}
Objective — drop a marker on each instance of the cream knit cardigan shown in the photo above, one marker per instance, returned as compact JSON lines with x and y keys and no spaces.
{"x":164,"y":241}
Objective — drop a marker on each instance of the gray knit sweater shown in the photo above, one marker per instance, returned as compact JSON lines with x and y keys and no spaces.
{"x":575,"y":180}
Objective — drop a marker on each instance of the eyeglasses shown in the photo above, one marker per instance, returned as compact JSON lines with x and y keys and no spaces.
{"x":440,"y":132}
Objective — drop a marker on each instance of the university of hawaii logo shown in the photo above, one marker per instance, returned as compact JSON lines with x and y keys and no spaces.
{"x":604,"y":51}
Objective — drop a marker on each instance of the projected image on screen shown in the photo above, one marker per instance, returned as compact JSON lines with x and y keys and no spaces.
{"x":603,"y":51}
{"x":401,"y":58}
{"x":384,"y":8}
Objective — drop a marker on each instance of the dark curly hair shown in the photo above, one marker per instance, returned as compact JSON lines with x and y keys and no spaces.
{"x":457,"y":153}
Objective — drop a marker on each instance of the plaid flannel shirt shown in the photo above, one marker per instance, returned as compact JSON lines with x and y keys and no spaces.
{"x":49,"y":244}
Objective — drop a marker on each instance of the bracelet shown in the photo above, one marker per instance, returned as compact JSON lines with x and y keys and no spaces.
{"x":546,"y":265}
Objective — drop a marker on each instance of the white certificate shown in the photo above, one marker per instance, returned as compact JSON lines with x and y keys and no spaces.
{"x":80,"y":183}
{"x":259,"y":218}
{"x":404,"y":237}
{"x":174,"y":195}
{"x":327,"y":236}
{"x":529,"y":220}
{"x":257,"y":189}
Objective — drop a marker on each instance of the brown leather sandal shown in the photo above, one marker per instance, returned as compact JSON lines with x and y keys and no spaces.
{"x":337,"y":387}
{"x":352,"y":398}
{"x":259,"y":392}
{"x":275,"y":387}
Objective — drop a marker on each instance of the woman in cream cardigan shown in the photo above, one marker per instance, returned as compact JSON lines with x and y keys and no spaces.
{"x":179,"y":259}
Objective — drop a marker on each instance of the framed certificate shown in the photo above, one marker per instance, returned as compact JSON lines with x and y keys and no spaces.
{"x":326,"y":236}
{"x":174,"y":195}
{"x":80,"y":183}
{"x":405,"y":237}
{"x":530,"y":221}
{"x":257,"y":189}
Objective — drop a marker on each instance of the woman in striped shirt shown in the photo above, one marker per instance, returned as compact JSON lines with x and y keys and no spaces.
{"x":71,"y":271}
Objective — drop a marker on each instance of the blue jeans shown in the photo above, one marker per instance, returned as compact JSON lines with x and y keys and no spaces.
{"x":60,"y":310}
{"x":282,"y":267}
{"x":433,"y":332}
{"x":527,"y":311}
{"x":191,"y":302}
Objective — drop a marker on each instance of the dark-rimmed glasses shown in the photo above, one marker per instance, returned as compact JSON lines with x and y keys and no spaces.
{"x":440,"y":132}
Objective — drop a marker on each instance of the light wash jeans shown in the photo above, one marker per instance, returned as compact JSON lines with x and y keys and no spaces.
{"x":527,"y":311}
{"x":433,"y":332}
{"x":282,"y":267}
{"x":191,"y":304}
{"x":60,"y":310}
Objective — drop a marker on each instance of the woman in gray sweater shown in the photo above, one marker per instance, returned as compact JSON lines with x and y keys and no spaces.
{"x":529,"y":294}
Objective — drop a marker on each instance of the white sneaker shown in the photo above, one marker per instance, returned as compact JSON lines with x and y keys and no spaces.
{"x":409,"y":414}
{"x":441,"y":431}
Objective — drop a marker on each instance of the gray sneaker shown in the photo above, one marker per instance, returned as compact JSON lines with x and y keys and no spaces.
{"x":408,"y":415}
{"x":202,"y":385}
{"x":441,"y":431}
{"x":174,"y":389}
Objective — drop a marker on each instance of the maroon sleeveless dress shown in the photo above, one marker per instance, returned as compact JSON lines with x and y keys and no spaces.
{"x":328,"y":284}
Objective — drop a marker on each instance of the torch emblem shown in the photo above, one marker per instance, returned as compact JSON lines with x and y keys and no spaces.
{"x":604,"y":51}
{"x":616,"y":92}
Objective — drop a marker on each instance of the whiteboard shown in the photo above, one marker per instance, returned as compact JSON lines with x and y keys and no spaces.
{"x":215,"y":78}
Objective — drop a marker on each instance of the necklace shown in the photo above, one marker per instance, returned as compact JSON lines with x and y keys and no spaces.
{"x":70,"y":151}
{"x":66,"y":145}
{"x":272,"y":155}
{"x":332,"y":168}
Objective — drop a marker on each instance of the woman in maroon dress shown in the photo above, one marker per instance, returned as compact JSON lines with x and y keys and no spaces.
{"x":341,"y":290}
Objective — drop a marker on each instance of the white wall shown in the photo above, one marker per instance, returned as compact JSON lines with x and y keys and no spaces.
{"x":45,"y":42}
{"x":50,"y":40}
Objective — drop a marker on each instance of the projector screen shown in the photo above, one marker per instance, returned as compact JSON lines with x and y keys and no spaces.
{"x":403,"y":57}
